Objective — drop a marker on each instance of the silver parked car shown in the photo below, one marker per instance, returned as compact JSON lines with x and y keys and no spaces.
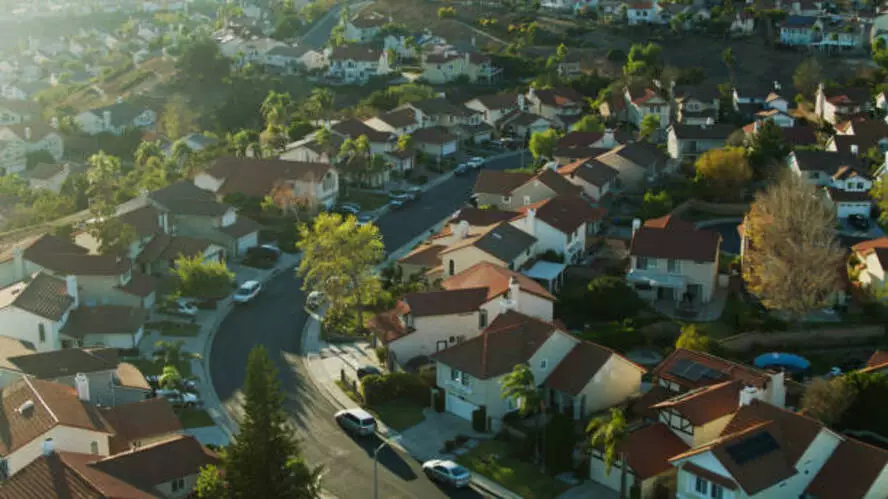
{"x":448,"y":472}
{"x":357,"y":421}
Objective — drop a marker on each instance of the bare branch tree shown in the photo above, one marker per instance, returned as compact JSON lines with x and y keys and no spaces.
{"x":827,"y":400}
{"x":793,"y":262}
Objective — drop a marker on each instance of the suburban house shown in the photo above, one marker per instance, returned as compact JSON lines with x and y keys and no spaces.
{"x":502,"y":244}
{"x":872,"y":256}
{"x":687,"y":142}
{"x":594,"y":177}
{"x":116,"y":118}
{"x":638,"y":164}
{"x":578,"y":378}
{"x":672,"y":260}
{"x":441,"y":112}
{"x":643,"y":12}
{"x":380,"y":142}
{"x":364,"y":27}
{"x":445,"y":65}
{"x":293,"y":185}
{"x":842,"y":176}
{"x":423,"y":261}
{"x":560,"y":225}
{"x":16,"y":112}
{"x":562,"y":106}
{"x":503,"y":285}
{"x":644,"y":101}
{"x":195,"y":213}
{"x":858,"y":136}
{"x":168,"y":468}
{"x":800,"y":30}
{"x":290,"y":59}
{"x":113,"y":326}
{"x":696,"y":105}
{"x":495,"y":106}
{"x":838,"y":104}
{"x":802,"y":135}
{"x":512,"y":190}
{"x":576,"y":145}
{"x":109,"y":381}
{"x":743,"y":23}
{"x":49,"y":176}
{"x":13,"y":156}
{"x":356,"y":63}
{"x":36,"y":137}
{"x":436,"y":142}
{"x":399,"y":122}
{"x":36,"y":310}
{"x":522,"y":125}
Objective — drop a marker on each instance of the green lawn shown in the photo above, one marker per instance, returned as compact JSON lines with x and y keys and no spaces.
{"x":398,"y":415}
{"x":149,"y":366}
{"x":492,"y":459}
{"x":194,"y":418}
{"x":175,"y":328}
{"x":369,"y":201}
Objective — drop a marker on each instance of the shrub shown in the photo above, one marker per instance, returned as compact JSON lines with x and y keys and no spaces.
{"x":479,"y":419}
{"x":552,"y":256}
{"x":560,"y":441}
{"x":439,"y":401}
{"x":379,"y":389}
{"x":382,"y":354}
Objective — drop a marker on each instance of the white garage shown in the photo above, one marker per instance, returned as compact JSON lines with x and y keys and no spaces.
{"x":246,"y":242}
{"x":598,"y":472}
{"x":459,"y":407}
{"x":851,"y":203}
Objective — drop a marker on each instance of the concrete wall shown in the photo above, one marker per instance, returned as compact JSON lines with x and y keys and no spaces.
{"x":65,"y":438}
{"x":432,"y":329}
{"x":166,"y":489}
{"x":23,"y":325}
{"x":464,"y":258}
{"x":703,"y":273}
{"x":613,"y":384}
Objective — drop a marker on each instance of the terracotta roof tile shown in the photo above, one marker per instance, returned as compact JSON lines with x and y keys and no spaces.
{"x":578,"y":367}
{"x":648,"y":450}
{"x":388,"y":325}
{"x":512,"y":338}
{"x":566,"y":213}
{"x":48,"y":477}
{"x":499,"y":182}
{"x":446,"y":302}
{"x":793,"y":431}
{"x":495,"y":279}
{"x":728,"y":369}
{"x":850,"y":472}
{"x":679,"y":241}
{"x":707,"y":403}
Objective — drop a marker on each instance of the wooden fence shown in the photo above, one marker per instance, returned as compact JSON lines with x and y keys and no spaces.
{"x":812,"y":337}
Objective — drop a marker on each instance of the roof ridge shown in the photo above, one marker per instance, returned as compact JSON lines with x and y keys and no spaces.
{"x":77,"y":472}
{"x":40,"y":398}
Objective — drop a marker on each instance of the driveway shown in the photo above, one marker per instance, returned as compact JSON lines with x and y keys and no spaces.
{"x":427,"y":438}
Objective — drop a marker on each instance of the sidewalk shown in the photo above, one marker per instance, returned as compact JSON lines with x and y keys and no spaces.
{"x":202,"y":342}
{"x":324,"y":363}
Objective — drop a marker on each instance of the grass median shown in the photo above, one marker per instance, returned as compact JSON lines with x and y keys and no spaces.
{"x":493,"y":459}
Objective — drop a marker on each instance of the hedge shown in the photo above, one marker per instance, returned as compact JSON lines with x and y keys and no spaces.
{"x":379,"y":389}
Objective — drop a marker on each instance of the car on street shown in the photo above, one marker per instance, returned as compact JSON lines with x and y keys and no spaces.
{"x":315,"y":299}
{"x":475,"y":162}
{"x":859,"y":222}
{"x":356,"y":421}
{"x":348,"y":208}
{"x":365,"y":218}
{"x":368,"y":370}
{"x":179,"y":398}
{"x":246,"y":292}
{"x":448,"y":472}
{"x":399,"y":199}
{"x":461,"y":169}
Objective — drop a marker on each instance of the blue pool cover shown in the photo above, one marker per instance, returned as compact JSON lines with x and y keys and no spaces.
{"x":785,"y":360}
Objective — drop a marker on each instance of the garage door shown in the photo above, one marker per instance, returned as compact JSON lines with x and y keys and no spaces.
{"x":248,"y":241}
{"x":459,"y":407}
{"x":598,"y":473}
{"x":845,"y":209}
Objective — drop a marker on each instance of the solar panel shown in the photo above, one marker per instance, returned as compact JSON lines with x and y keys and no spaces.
{"x":692,"y":371}
{"x":753,"y":447}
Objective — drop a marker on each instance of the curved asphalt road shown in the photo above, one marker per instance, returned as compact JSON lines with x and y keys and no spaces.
{"x":275,"y":320}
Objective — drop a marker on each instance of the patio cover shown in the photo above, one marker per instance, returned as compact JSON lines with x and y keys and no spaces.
{"x":654,"y":279}
{"x":547,"y":271}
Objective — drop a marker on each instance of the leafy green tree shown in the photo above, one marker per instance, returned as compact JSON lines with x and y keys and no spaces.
{"x":242,"y":141}
{"x":608,"y":434}
{"x":202,"y":279}
{"x":339,"y":258}
{"x":656,"y":204}
{"x":210,"y":483}
{"x":178,"y":117}
{"x":104,"y":183}
{"x":170,"y":378}
{"x":520,"y":386}
{"x":643,"y":60}
{"x":202,"y":64}
{"x":650,"y":124}
{"x":322,"y":101}
{"x":172,"y":353}
{"x":265,"y":460}
{"x":146,"y":150}
{"x":692,"y":339}
{"x":768,"y":148}
{"x":609,"y":298}
{"x":828,"y":400}
{"x":725,"y":171}
{"x":276,"y":108}
{"x":405,"y":142}
{"x":807,"y":76}
{"x":588,"y":123}
{"x":543,"y":144}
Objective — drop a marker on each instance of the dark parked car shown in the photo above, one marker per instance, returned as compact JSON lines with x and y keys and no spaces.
{"x":858,"y":222}
{"x":364,"y":371}
{"x":461,"y":169}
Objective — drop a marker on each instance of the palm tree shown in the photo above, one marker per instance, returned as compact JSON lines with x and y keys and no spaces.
{"x":322,"y":100}
{"x":729,"y":59}
{"x":325,"y":141}
{"x":520,"y":386}
{"x":276,"y":108}
{"x":405,"y":142}
{"x":240,"y":142}
{"x":147,"y":149}
{"x":607,"y":433}
{"x":180,"y":150}
{"x":171,"y":353}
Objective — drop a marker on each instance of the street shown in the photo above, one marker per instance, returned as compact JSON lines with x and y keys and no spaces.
{"x":318,"y":35}
{"x":275,"y":320}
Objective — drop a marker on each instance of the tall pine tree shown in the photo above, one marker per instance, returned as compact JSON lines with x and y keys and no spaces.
{"x":265,"y":460}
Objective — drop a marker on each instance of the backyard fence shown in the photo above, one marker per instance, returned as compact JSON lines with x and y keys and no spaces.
{"x":725,"y":209}
{"x":846,"y":336}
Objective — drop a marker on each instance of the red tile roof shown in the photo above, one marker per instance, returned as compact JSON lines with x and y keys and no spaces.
{"x":142,"y":420}
{"x":706,"y":404}
{"x":648,"y":450}
{"x":565,"y":213}
{"x":258,"y":177}
{"x":579,"y":366}
{"x":675,"y":239}
{"x":388,"y":325}
{"x":446,"y":302}
{"x":850,"y":472}
{"x":495,"y":279}
{"x":878,"y":359}
{"x":731,"y":370}
{"x":426,"y":255}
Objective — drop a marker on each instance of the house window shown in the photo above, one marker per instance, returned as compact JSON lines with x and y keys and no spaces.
{"x":507,"y":199}
{"x":641,"y":263}
{"x":460,"y":377}
{"x":328,"y":182}
{"x":544,"y":364}
{"x":93,"y":447}
{"x":41,"y":330}
{"x":178,"y":484}
{"x":526,"y":200}
{"x":717,"y":491}
{"x":701,"y":486}
{"x":482,"y":318}
{"x":674,"y":266}
{"x":452,"y":267}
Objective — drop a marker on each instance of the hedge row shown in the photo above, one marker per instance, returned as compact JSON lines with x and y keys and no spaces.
{"x":379,"y":389}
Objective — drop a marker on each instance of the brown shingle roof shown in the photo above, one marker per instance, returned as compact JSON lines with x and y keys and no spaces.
{"x":446,"y":302}
{"x":44,"y":295}
{"x":590,"y":170}
{"x":53,"y":405}
{"x":495,"y":279}
{"x":433,"y":135}
{"x":399,"y":118}
{"x":166,"y":247}
{"x":730,"y":370}
{"x":145,"y":220}
{"x":65,"y":362}
{"x":847,"y":96}
{"x":64,"y":257}
{"x":425,"y":256}
{"x":139,"y":285}
{"x":559,"y":97}
{"x":706,"y":404}
{"x":499,"y":182}
{"x":258,"y":177}
{"x":388,"y":325}
{"x":678,"y":241}
{"x":354,"y":128}
{"x":504,"y":242}
{"x":185,"y":198}
{"x":512,"y":338}
{"x":498,"y":101}
{"x":565,"y":213}
{"x":578,"y":367}
{"x":104,"y":319}
{"x":48,"y":477}
{"x":477,"y":217}
{"x":648,"y":450}
{"x":827,"y":162}
{"x":241,"y":227}
{"x":850,"y":472}
{"x":145,"y":419}
{"x":355,"y":53}
{"x":560,"y":185}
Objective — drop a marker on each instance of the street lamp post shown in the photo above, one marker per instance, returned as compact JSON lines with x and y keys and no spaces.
{"x":376,"y":465}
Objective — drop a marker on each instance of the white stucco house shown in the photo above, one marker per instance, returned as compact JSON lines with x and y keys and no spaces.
{"x":115,"y":119}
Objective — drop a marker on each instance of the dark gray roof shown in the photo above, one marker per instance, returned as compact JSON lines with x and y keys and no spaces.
{"x":104,"y":319}
{"x":122,"y":113}
{"x":440,"y":105}
{"x":710,"y":132}
{"x":65,"y":362}
{"x":505,"y":242}
{"x":44,"y":295}
{"x":185,"y":198}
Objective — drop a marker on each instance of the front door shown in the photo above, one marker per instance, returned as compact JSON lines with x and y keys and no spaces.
{"x":665,"y":294}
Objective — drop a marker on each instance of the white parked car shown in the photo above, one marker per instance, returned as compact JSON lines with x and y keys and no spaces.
{"x":357,"y":421}
{"x":315,"y":299}
{"x":448,"y":472}
{"x":247,"y":291}
{"x":179,"y":398}
{"x":476,"y":162}
{"x":185,"y":307}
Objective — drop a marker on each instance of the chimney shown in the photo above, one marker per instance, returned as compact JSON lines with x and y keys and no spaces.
{"x":747,"y":395}
{"x":48,"y":447}
{"x":514,"y":289}
{"x":27,"y":134}
{"x":54,"y":122}
{"x":82,"y":384}
{"x":636,"y":224}
{"x":462,"y":229}
{"x":106,"y":119}
{"x":855,"y":149}
{"x":531,"y":221}
{"x":777,"y":389}
{"x":777,"y":86}
{"x":71,"y":288}
{"x":608,"y":139}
